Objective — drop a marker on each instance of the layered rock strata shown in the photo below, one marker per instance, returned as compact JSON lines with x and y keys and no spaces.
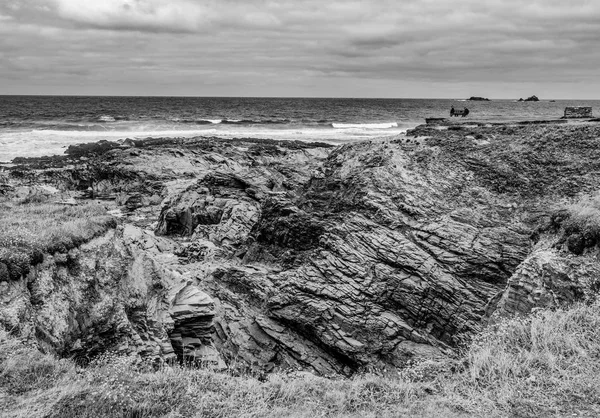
{"x":271,"y":255}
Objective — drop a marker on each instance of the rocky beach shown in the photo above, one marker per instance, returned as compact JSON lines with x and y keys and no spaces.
{"x":269,"y":257}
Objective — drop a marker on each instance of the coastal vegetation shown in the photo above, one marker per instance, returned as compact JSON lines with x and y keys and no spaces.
{"x":584,"y":216}
{"x":545,"y":364}
{"x":30,"y":228}
{"x":577,"y":223}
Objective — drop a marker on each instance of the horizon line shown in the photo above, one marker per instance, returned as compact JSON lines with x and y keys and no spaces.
{"x":284,"y":97}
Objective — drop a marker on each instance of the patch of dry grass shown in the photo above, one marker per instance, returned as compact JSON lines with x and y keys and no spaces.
{"x":28,"y":230}
{"x":584,"y":214}
{"x":579,"y":223}
{"x":547,"y":365}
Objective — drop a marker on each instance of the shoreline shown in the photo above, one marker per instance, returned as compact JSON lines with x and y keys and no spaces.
{"x":440,"y":122}
{"x":334,"y":136}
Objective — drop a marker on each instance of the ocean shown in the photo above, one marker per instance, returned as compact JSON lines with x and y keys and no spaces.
{"x":32,"y":126}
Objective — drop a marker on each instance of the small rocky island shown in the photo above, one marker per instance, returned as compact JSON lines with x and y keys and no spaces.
{"x":478,"y":99}
{"x":272,"y":256}
{"x":533,"y":98}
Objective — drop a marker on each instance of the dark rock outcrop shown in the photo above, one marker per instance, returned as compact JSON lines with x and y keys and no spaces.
{"x":578,"y":112}
{"x":547,"y":279}
{"x":114,"y":294}
{"x":530,"y":99}
{"x":301,"y":256}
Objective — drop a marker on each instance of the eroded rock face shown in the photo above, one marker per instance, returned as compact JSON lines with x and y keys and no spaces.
{"x":220,"y":207}
{"x":376,"y":260}
{"x":548,"y":278}
{"x":192,"y":312}
{"x":367,"y":255}
{"x":117,"y":293}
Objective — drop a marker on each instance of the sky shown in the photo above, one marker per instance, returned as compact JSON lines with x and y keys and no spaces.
{"x":302,"y":48}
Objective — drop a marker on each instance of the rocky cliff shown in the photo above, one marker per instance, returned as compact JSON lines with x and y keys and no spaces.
{"x":273,"y":255}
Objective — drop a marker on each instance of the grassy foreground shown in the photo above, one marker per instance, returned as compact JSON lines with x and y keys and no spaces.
{"x":544,"y":365}
{"x":28,"y":230}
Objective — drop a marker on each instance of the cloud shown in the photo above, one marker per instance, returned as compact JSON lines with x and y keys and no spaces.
{"x":176,"y":16}
{"x":339,"y":47}
{"x":150,"y":15}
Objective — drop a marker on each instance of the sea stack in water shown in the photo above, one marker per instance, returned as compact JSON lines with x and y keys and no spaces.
{"x":533,"y":98}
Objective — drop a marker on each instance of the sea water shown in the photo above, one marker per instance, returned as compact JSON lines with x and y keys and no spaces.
{"x":32,"y":126}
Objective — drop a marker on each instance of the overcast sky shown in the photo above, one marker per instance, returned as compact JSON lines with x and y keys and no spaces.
{"x":324,"y":48}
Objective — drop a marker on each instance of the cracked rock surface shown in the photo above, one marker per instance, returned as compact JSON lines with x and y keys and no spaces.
{"x":275,"y":255}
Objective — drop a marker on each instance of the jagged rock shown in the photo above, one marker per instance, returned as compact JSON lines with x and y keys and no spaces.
{"x":546,"y":280}
{"x":200,"y":251}
{"x":117,"y":294}
{"x":6,"y":189}
{"x":99,"y":147}
{"x":575,"y":112}
{"x":192,"y":313}
{"x":333,"y":261}
{"x":245,"y":334}
{"x":220,"y":207}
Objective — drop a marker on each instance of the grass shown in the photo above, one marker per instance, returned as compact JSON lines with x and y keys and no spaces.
{"x":28,"y":230}
{"x":547,"y":364}
{"x":584,"y":216}
{"x":579,"y":224}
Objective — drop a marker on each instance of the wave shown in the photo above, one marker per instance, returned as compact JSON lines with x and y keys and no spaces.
{"x":384,"y":125}
{"x":38,"y":142}
{"x":238,"y":121}
{"x":256,"y":122}
{"x":231,"y":121}
{"x":105,"y":118}
{"x":86,"y":135}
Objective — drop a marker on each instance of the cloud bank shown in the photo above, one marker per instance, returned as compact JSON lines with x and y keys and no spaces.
{"x":413,"y":48}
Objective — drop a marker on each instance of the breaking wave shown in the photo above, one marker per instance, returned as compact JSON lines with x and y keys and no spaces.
{"x":231,"y":121}
{"x":385,"y":125}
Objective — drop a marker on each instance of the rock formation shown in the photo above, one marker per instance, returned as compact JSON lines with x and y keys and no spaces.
{"x":530,"y":99}
{"x":576,"y":112}
{"x":292,"y":255}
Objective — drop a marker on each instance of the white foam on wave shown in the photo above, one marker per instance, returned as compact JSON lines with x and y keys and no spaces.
{"x":38,"y":143}
{"x":215,"y":121}
{"x":336,"y":136}
{"x":385,"y":125}
{"x":106,"y":118}
{"x":42,"y":142}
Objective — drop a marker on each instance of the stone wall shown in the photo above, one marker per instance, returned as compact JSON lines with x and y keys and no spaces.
{"x":578,"y":112}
